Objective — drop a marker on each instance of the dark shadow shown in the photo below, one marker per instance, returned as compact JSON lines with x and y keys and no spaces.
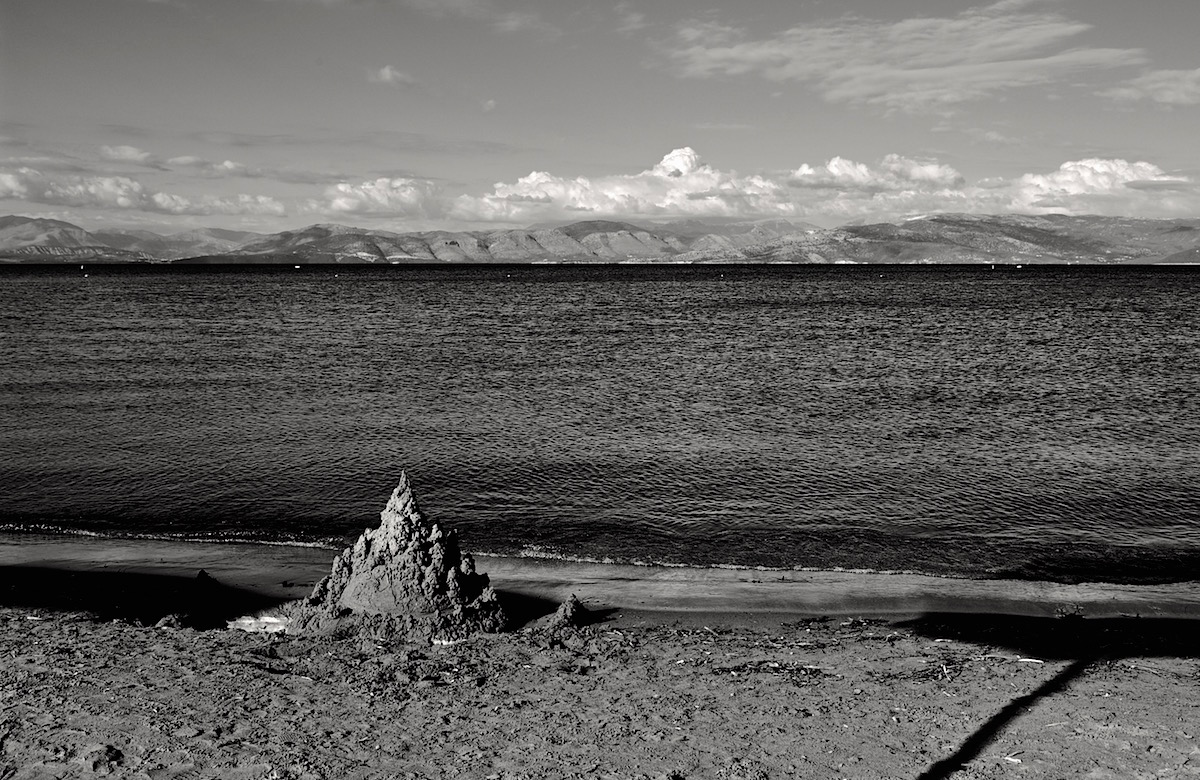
{"x":197,"y":602}
{"x":1068,"y":638}
{"x":969,"y":750}
{"x":1083,"y":641}
{"x":522,"y":609}
{"x":595,"y":616}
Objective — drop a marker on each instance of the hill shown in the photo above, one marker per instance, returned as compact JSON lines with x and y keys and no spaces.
{"x":30,"y":239}
{"x":934,"y":239}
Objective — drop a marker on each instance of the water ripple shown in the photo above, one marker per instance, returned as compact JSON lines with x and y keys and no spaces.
{"x":947,"y":420}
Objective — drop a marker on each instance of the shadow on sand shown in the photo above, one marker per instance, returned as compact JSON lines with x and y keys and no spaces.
{"x":524,"y":609}
{"x":198,"y":602}
{"x":1082,"y":641}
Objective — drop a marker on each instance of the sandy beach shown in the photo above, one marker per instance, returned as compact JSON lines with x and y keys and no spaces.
{"x":684,"y":673}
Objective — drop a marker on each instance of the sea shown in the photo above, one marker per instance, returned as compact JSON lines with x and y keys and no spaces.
{"x":1038,"y":423}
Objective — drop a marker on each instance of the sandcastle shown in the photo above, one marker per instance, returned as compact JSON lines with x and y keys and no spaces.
{"x":406,"y":580}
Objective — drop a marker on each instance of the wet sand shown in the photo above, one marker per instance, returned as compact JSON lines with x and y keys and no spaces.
{"x":271,"y":572}
{"x":684,"y":674}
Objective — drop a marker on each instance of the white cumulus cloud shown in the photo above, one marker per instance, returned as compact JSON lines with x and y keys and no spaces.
{"x":1115,"y":187}
{"x":680,"y":184}
{"x":12,"y":186}
{"x":894,"y":173}
{"x":106,"y":192}
{"x":242,"y":204}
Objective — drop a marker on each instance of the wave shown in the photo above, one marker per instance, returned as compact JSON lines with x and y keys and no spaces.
{"x":47,"y":529}
{"x":1170,"y":571}
{"x":529,"y":552}
{"x":537,"y":553}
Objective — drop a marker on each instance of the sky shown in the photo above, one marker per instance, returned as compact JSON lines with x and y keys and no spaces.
{"x":406,"y":115}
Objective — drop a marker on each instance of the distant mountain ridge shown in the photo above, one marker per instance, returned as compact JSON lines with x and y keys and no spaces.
{"x":933,"y":239}
{"x":48,"y":240}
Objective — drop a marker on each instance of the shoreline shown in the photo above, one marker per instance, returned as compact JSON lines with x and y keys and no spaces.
{"x":280,"y":573}
{"x":686,"y":674}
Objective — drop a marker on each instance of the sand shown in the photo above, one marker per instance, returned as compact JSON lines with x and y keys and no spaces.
{"x":740,"y":674}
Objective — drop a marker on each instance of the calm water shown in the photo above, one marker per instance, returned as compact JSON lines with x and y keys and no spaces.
{"x":1021,"y":423}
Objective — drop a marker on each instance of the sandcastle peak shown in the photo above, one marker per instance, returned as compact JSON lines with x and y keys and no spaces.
{"x":406,"y":579}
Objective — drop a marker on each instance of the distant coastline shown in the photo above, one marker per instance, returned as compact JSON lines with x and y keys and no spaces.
{"x":935,"y":239}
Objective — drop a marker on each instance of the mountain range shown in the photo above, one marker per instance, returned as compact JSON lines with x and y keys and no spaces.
{"x":934,"y":239}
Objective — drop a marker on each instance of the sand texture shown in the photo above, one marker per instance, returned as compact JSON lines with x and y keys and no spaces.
{"x":626,"y":697}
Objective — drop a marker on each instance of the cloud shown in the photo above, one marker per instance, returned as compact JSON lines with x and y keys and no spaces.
{"x":993,"y":137}
{"x":127,"y":131}
{"x":484,"y":11}
{"x":516,"y":21}
{"x":391,"y":140}
{"x":106,"y":192}
{"x":12,"y":185}
{"x":126,"y":154}
{"x":680,"y":184}
{"x":900,"y":186}
{"x":1174,"y":184}
{"x":629,"y":20}
{"x":242,"y":204}
{"x":232,"y":169}
{"x":192,"y":164}
{"x":488,"y":105}
{"x":894,"y":173}
{"x":913,"y":65}
{"x":392,"y":77}
{"x":132,"y":155}
{"x":1006,"y":6}
{"x":1114,"y":186}
{"x":215,"y":169}
{"x":125,"y":193}
{"x":979,"y":135}
{"x":251,"y":140}
{"x":391,"y":197}
{"x":44,"y":162}
{"x":1166,"y":87}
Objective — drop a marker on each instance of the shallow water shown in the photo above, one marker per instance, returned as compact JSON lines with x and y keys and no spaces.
{"x":1024,"y":423}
